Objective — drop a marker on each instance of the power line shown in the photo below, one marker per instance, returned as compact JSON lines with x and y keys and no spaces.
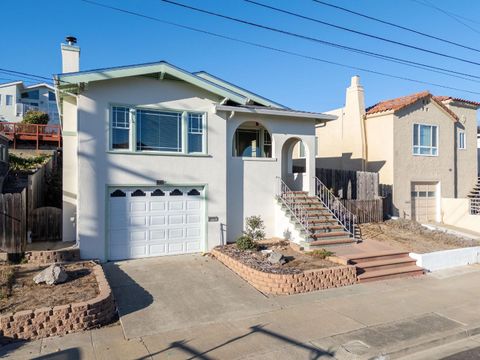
{"x":318,"y":21}
{"x":305,"y":37}
{"x":396,"y":25}
{"x":25,"y":74}
{"x":448,"y":13}
{"x":21,"y":77}
{"x":278,"y":50}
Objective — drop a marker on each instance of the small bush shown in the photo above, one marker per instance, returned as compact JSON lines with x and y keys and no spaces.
{"x":246,"y":243}
{"x":19,"y":163}
{"x":320,"y":253}
{"x":35,"y":117}
{"x":254,"y":228}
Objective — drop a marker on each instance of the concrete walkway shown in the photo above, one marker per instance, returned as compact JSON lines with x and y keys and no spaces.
{"x":397,"y":317}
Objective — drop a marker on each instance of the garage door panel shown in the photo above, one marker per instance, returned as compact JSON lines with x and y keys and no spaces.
{"x":154,"y":223}
{"x":424,"y":201}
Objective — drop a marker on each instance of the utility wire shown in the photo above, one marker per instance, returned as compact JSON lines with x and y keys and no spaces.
{"x":25,"y":74}
{"x":278,"y":50}
{"x":447,"y":13}
{"x":289,"y":33}
{"x":396,"y":25}
{"x":22,"y":77}
{"x":318,"y":21}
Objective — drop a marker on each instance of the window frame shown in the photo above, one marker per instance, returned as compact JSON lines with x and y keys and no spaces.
{"x":459,"y":138}
{"x":132,"y":149}
{"x":8,"y":96}
{"x":431,"y":147}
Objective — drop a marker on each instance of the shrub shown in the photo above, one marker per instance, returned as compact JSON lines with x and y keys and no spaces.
{"x":20,"y":163}
{"x":246,"y":243}
{"x":321,"y":253}
{"x":254,"y":228}
{"x":35,"y":117}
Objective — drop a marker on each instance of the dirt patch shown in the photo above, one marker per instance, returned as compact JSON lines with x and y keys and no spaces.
{"x":24,"y":294}
{"x":297,"y":262}
{"x":410,"y":236}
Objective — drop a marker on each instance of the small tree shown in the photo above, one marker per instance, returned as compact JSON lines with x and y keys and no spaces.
{"x":254,"y":228}
{"x":35,"y":117}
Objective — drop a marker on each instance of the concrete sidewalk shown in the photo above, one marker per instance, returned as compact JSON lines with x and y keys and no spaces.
{"x":397,"y":317}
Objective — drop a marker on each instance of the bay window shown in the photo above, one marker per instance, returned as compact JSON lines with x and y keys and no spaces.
{"x":162,"y":131}
{"x":425,"y":140}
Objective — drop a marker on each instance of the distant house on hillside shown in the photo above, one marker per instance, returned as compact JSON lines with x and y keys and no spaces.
{"x":16,"y":99}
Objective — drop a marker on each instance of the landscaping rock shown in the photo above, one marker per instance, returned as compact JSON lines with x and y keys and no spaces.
{"x":54,"y":274}
{"x":276,"y":258}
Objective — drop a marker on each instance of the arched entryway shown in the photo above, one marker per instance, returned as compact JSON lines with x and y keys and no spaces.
{"x":296,"y":167}
{"x":252,"y":139}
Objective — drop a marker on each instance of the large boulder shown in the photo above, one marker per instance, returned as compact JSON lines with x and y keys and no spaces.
{"x":54,"y":274}
{"x":276,"y":258}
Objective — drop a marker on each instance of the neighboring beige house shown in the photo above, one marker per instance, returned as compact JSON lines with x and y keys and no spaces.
{"x":16,"y":99}
{"x":425,"y":146}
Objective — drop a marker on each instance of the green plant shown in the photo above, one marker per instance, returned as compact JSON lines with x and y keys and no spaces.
{"x":7,"y":275}
{"x":35,"y":117}
{"x":246,"y":243}
{"x":254,"y":228}
{"x":18,"y":163}
{"x":320,"y":253}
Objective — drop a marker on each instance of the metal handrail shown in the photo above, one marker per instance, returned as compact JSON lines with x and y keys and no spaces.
{"x":474,"y":206}
{"x":346,"y":218}
{"x":298,"y":210}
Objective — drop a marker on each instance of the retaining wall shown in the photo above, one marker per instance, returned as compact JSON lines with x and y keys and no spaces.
{"x":445,"y":259}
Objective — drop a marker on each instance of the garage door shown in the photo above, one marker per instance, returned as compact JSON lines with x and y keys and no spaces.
{"x":155,"y":221}
{"x":424,"y":201}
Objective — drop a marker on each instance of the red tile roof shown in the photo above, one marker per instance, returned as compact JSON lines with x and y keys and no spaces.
{"x":405,"y":101}
{"x":445,"y":98}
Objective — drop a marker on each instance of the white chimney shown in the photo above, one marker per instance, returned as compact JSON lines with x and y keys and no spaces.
{"x":70,"y":55}
{"x":353,"y":124}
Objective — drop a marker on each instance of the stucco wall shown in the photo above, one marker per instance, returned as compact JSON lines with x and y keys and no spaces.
{"x":410,"y":168}
{"x":456,"y":212}
{"x":380,"y":146}
{"x":8,"y":113}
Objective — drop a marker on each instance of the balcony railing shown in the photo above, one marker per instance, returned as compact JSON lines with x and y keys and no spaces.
{"x":31,"y":132}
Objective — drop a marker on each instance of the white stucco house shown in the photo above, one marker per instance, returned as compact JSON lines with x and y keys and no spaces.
{"x":160,"y":161}
{"x":16,"y":99}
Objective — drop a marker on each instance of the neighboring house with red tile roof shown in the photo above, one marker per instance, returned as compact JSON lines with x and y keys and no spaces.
{"x":424,"y":146}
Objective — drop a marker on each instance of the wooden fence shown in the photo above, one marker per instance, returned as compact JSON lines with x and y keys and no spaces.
{"x":347,"y":184}
{"x":13,"y":222}
{"x":366,"y":210}
{"x":46,"y":224}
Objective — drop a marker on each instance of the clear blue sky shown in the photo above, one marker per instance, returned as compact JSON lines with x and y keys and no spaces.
{"x":31,"y":32}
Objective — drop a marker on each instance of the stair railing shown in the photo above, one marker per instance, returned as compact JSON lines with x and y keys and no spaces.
{"x":299,"y":211}
{"x":338,"y":210}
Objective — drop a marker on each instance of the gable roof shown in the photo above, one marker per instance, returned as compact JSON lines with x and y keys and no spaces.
{"x":403,"y":102}
{"x":252,"y":96}
{"x":34,"y":86}
{"x":447,"y":98}
{"x":70,"y":81}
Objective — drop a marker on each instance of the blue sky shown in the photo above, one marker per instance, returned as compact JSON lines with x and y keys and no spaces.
{"x":108,"y":38}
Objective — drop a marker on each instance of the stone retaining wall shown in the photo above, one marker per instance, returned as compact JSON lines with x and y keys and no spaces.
{"x":63,"y":319}
{"x":52,"y":256}
{"x":287,"y":284}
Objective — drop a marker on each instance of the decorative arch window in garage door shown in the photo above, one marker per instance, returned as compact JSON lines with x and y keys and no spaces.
{"x":153,"y":221}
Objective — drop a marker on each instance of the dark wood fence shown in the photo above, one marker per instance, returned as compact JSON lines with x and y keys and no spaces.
{"x":13,"y":222}
{"x":46,"y":224}
{"x":367,"y":211}
{"x":346,"y":184}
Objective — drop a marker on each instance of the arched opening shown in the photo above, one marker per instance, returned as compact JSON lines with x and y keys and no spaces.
{"x":251,"y":139}
{"x":295,"y":165}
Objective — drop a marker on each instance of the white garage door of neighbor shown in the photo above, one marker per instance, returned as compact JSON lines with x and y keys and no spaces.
{"x":424,"y":201}
{"x":155,"y":221}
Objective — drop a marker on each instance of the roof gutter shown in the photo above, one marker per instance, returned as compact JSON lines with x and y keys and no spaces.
{"x":273,"y":112}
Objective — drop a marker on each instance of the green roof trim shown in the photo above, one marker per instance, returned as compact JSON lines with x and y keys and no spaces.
{"x":252,"y":96}
{"x":68,"y":79}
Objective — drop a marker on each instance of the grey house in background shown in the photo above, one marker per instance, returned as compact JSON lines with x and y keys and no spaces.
{"x":16,"y":99}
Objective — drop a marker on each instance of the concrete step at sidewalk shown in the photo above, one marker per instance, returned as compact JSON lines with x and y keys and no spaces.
{"x":412,"y":270}
{"x":376,"y":256}
{"x":330,"y":235}
{"x":394,"y":263}
{"x":318,"y":244}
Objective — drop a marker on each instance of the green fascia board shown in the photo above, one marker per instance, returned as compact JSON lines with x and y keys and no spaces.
{"x":252,"y":96}
{"x":143,"y":69}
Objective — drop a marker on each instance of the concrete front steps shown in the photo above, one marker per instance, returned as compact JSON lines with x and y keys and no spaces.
{"x":475,"y":193}
{"x":324,"y":230}
{"x":384,"y":265}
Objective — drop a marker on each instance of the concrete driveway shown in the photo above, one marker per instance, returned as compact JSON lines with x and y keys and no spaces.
{"x":161,"y":294}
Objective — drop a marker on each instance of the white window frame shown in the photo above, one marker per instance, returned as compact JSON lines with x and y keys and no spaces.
{"x":301,"y":149}
{"x":133,"y":131}
{"x":462,"y":145}
{"x":431,"y":140}
{"x":6,"y":100}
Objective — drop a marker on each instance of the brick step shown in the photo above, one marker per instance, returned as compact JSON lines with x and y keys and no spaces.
{"x":383,"y":255}
{"x":390,"y":273}
{"x":318,"y":212}
{"x":326,"y":228}
{"x":323,"y":220}
{"x":384,"y":264}
{"x":332,"y":235}
{"x":317,"y":244}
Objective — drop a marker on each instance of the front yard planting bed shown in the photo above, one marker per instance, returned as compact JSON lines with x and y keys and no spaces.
{"x":411,"y":236}
{"x":31,"y":311}
{"x":302,"y":273}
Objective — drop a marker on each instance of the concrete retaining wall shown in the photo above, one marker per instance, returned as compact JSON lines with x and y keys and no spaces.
{"x":445,"y":259}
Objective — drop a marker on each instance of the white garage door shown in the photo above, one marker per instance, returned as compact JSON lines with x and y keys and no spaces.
{"x":424,"y":201}
{"x":155,"y":221}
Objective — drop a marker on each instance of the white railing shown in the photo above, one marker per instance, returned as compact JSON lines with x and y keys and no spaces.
{"x":298,"y":210}
{"x":475,"y":206}
{"x":338,"y":210}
